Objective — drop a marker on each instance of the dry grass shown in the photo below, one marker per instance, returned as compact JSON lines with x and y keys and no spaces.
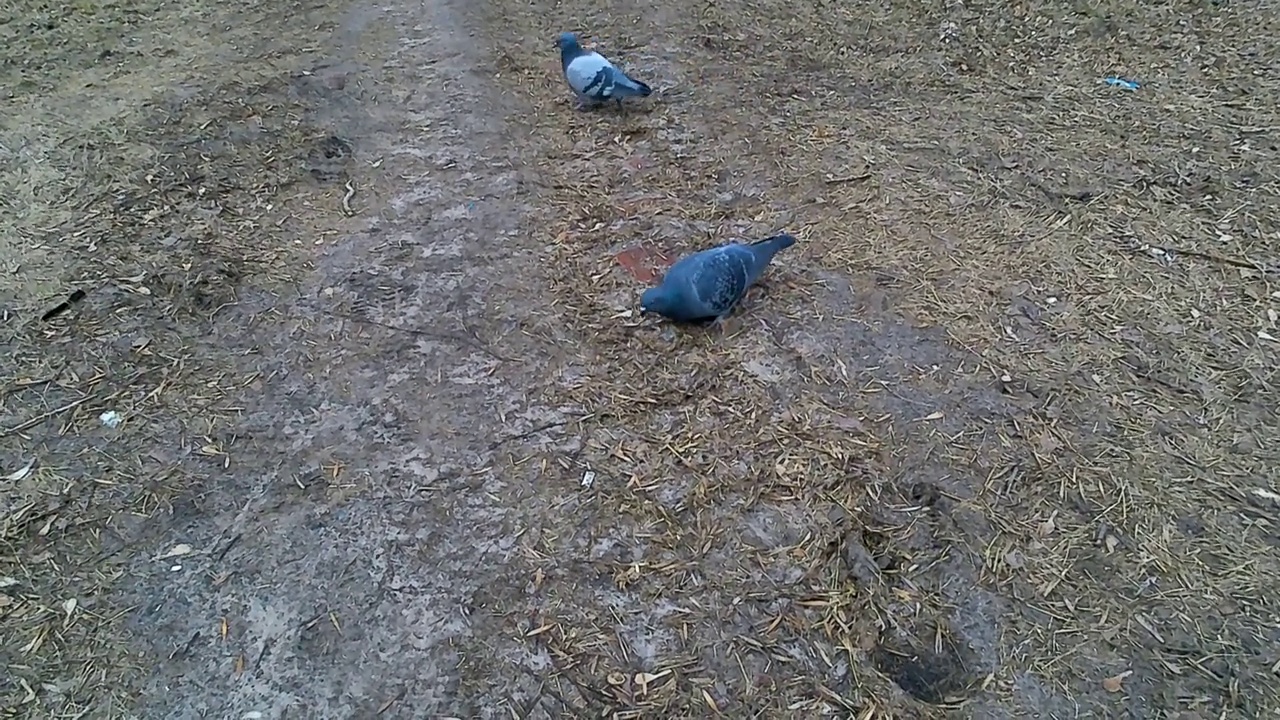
{"x":1051,"y":487}
{"x":159,"y":194}
{"x":1103,"y":263}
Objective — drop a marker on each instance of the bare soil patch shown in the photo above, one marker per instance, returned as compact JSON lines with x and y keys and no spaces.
{"x":991,"y":441}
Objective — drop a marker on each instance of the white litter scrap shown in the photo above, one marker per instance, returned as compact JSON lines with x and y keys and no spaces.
{"x":111,"y":418}
{"x":21,"y":473}
{"x":588,"y":479}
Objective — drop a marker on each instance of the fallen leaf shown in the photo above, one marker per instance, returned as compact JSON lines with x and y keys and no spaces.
{"x":711,"y":703}
{"x":1115,"y":683}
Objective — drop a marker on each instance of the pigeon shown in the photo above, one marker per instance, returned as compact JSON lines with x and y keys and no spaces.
{"x":708,"y":284}
{"x":593,"y":78}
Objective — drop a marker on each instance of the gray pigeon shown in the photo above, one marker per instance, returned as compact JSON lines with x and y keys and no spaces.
{"x":593,"y":78}
{"x":708,"y":284}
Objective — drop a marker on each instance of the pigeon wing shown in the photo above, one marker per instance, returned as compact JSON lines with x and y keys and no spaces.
{"x":590,"y":74}
{"x":722,"y":277}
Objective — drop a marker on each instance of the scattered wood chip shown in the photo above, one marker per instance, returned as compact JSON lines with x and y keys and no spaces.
{"x":540,"y":630}
{"x":644,"y":679}
{"x":1047,"y":527}
{"x":650,"y":677}
{"x":1266,"y":494}
{"x":1115,"y":683}
{"x":176,"y":551}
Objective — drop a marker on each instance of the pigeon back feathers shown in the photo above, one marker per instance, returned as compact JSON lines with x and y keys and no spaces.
{"x":708,"y":284}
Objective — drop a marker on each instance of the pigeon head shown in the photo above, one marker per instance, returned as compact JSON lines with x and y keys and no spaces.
{"x":568,"y":42}
{"x":658,"y":300}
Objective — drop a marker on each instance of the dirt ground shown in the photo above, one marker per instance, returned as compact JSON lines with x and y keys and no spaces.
{"x":994,"y":440}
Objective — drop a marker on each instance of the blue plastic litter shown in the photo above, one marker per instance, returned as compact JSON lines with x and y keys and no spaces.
{"x":1122,"y":83}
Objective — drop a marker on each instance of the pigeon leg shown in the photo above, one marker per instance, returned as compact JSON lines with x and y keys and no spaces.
{"x":585,"y":103}
{"x":721,"y":323}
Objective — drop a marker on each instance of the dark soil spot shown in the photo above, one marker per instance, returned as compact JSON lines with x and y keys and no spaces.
{"x":928,"y":677}
{"x":328,"y":159}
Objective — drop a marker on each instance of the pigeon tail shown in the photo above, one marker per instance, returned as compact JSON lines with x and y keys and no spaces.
{"x":773,"y":245}
{"x":763,"y":251}
{"x":629,"y":86}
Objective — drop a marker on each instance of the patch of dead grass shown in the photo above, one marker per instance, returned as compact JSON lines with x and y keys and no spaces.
{"x":159,"y":171}
{"x":1103,"y":259}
